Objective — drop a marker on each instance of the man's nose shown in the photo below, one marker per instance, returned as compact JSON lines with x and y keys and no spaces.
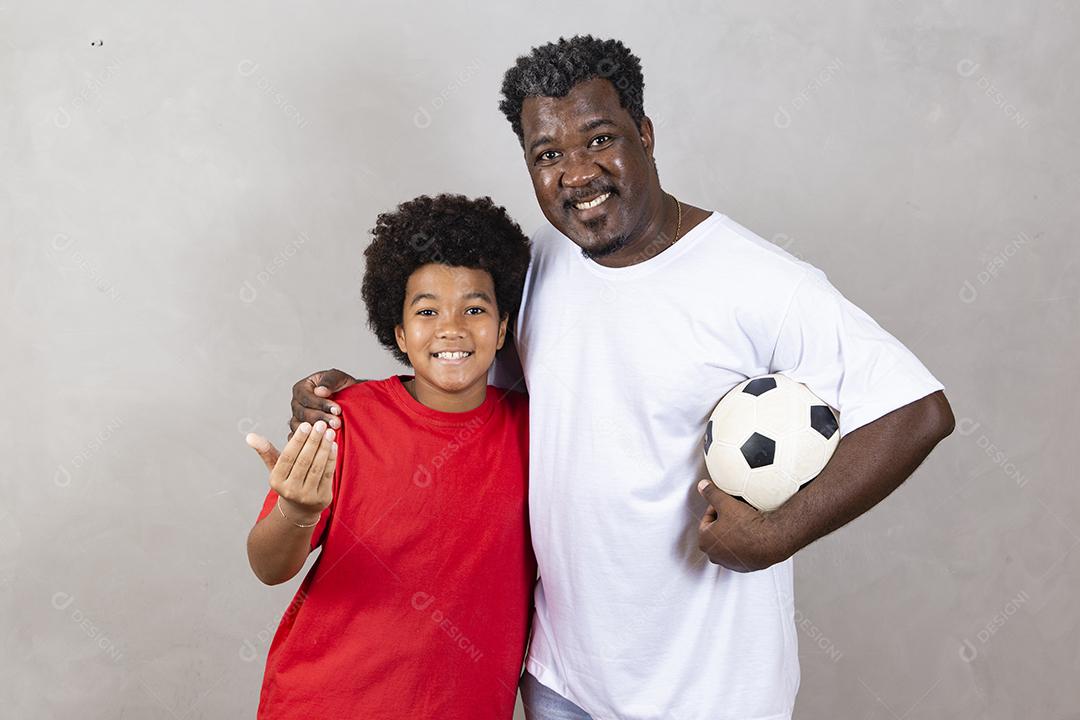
{"x":579,"y":170}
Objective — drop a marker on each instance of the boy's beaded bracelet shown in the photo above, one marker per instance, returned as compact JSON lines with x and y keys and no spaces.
{"x":301,"y":525}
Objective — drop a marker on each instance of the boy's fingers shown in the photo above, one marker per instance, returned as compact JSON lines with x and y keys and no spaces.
{"x":302,"y":464}
{"x":327,"y":480}
{"x":265,"y":448}
{"x":318,"y":464}
{"x":288,"y":456}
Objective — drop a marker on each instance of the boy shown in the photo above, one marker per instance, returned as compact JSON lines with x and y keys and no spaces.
{"x":418,"y":605}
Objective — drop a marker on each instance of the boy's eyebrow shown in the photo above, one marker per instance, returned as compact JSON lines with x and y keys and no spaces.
{"x":422,"y":296}
{"x":475,"y":294}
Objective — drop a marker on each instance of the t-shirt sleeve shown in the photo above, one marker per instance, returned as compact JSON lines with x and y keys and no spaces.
{"x":844,"y":357}
{"x":319,"y":533}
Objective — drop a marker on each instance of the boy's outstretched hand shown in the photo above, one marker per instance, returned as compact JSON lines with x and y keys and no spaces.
{"x":303,"y":473}
{"x":311,"y":398}
{"x":265,"y":448}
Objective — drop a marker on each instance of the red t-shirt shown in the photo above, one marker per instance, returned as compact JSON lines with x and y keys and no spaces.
{"x":419,"y":604}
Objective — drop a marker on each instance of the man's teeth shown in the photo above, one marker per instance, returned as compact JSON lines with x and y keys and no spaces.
{"x":452,"y":355}
{"x":592,"y":203}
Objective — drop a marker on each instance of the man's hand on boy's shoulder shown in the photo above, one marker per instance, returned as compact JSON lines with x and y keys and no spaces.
{"x":311,"y":398}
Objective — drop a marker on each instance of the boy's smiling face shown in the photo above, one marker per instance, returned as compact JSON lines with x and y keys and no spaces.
{"x":450,"y":330}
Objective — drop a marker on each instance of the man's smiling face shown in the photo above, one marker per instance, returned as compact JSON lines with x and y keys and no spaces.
{"x":591,"y":166}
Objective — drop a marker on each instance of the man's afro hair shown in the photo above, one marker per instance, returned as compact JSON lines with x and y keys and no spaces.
{"x":450,"y":230}
{"x":552,"y":70}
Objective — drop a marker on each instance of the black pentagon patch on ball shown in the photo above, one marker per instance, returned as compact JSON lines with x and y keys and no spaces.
{"x":708,"y":437}
{"x":823,"y":420}
{"x":757,"y":386}
{"x":759,"y":450}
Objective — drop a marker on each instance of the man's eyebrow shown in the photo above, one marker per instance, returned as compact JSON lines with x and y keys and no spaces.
{"x":542,"y":140}
{"x":587,"y":127}
{"x":593,"y":124}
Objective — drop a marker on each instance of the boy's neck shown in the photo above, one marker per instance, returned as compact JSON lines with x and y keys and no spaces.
{"x":452,"y":402}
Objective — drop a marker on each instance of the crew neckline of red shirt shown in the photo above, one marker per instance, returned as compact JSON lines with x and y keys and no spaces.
{"x":405,"y":399}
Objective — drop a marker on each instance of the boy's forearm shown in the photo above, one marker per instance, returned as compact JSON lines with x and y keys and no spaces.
{"x":277,"y":548}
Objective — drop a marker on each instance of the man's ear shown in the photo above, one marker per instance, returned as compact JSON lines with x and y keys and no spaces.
{"x":648,"y":140}
{"x":502,"y":330}
{"x":399,"y":335}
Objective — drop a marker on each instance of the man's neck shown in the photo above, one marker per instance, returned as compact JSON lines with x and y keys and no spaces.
{"x":659,"y":234}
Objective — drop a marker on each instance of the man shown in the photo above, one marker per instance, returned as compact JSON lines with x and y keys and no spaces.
{"x":639,"y":313}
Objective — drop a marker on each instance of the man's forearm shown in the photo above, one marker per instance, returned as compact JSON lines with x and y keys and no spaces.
{"x":867,"y":466}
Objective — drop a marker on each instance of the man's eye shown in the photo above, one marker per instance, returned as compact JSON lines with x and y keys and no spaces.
{"x":601,"y":140}
{"x":548,"y":155}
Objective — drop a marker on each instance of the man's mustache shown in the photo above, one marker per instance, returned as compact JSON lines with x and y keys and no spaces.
{"x":588,"y":194}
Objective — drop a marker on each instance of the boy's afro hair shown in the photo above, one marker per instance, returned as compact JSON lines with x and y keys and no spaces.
{"x":552,"y":70}
{"x":450,"y":230}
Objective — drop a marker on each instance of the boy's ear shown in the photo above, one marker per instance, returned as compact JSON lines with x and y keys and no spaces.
{"x":502,"y":330}
{"x":399,"y":335}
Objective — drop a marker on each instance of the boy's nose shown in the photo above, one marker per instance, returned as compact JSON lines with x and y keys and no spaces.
{"x":449,"y":329}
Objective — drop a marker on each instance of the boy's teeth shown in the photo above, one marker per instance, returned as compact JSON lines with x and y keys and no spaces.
{"x":452,"y":355}
{"x":592,"y":203}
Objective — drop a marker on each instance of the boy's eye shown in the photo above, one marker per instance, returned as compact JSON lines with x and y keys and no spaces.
{"x":425,"y":311}
{"x":477,"y":309}
{"x":601,"y":140}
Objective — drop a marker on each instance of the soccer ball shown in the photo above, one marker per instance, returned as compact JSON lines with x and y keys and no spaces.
{"x":768,"y":437}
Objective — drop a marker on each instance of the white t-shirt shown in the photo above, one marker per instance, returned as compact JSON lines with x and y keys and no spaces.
{"x":623,"y":367}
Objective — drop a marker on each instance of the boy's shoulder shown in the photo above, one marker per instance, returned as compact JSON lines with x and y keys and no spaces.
{"x":361,"y":398}
{"x":363,"y":393}
{"x":514,"y":402}
{"x":515,"y":397}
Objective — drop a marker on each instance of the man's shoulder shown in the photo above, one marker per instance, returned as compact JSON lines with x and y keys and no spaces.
{"x":544,"y":238}
{"x":736,"y":252}
{"x":753,"y":252}
{"x":544,"y":232}
{"x":730,"y":259}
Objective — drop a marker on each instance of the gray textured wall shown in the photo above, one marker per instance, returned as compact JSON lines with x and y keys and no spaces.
{"x":186,"y":194}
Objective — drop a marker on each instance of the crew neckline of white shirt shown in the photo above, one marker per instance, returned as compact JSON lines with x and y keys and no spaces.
{"x":669,"y":254}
